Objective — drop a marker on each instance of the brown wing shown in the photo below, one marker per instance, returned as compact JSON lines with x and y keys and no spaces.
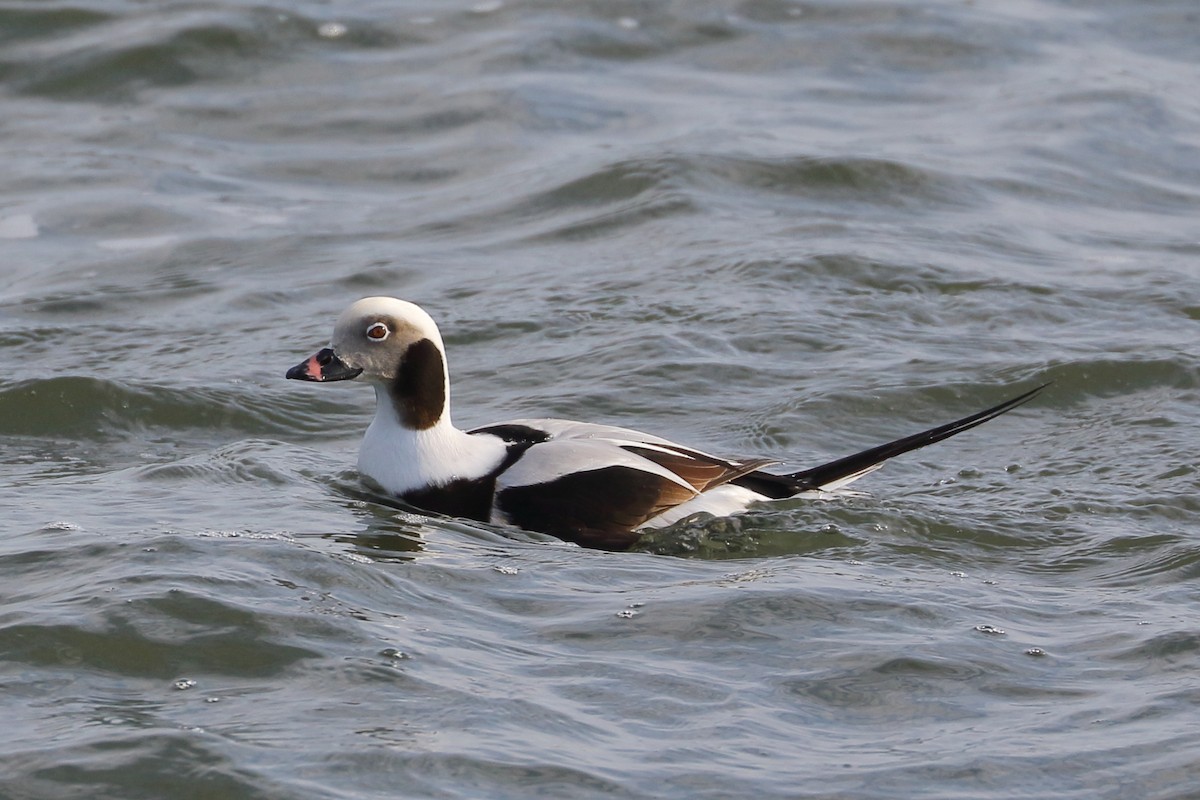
{"x":595,"y":508}
{"x":700,"y":470}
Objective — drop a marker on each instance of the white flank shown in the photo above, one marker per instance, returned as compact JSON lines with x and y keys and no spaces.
{"x":570,"y":429}
{"x":722,"y":501}
{"x":557,"y":458}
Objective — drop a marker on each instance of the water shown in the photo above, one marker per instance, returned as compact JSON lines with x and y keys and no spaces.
{"x":763,"y":228}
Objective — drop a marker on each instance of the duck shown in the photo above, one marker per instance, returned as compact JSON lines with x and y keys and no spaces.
{"x":596,"y":485}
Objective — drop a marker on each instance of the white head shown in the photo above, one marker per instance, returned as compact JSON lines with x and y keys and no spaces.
{"x":395,"y":345}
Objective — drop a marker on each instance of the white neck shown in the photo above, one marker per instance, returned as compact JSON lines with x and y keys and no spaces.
{"x":401,"y":459}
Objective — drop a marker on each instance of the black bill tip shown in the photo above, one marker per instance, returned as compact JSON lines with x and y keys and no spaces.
{"x":321,"y":367}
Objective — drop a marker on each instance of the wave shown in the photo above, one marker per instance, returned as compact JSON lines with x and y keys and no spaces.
{"x":77,"y":54}
{"x":86,"y":407}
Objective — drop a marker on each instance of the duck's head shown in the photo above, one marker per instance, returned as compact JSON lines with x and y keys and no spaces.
{"x":391,"y":343}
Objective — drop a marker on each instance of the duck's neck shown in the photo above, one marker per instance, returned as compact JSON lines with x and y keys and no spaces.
{"x":402,"y":456}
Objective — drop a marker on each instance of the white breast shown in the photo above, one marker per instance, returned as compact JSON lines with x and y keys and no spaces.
{"x":400,"y":459}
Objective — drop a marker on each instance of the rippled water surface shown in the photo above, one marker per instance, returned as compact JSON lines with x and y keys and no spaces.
{"x":766,"y":228}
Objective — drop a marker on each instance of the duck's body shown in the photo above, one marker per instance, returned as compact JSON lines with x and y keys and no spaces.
{"x":596,"y":485}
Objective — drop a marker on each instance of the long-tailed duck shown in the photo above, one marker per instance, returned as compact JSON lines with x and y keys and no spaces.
{"x":596,"y":485}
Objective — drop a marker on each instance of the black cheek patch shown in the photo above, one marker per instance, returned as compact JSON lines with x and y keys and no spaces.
{"x":419,"y":390}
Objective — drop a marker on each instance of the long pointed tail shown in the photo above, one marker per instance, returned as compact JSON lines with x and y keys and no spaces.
{"x":844,"y":470}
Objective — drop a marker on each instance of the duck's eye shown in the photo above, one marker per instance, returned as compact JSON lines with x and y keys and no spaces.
{"x":377,"y":331}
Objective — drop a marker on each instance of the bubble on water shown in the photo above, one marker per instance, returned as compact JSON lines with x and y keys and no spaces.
{"x":505,"y":570}
{"x":183,"y":684}
{"x":331,"y":30}
{"x":627,"y":613}
{"x":212,"y":699}
{"x":1035,"y":651}
{"x":393,"y":654}
{"x":958,"y":574}
{"x":991,"y":630}
{"x":18,"y":226}
{"x":274,"y":536}
{"x":747,"y":576}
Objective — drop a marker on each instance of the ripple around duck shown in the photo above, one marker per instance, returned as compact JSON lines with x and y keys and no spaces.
{"x":93,"y":408}
{"x":247,"y":461}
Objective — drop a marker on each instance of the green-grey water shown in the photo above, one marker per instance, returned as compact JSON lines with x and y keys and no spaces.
{"x":763,"y":228}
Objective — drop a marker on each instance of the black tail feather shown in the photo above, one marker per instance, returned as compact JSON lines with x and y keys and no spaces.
{"x":781,"y":486}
